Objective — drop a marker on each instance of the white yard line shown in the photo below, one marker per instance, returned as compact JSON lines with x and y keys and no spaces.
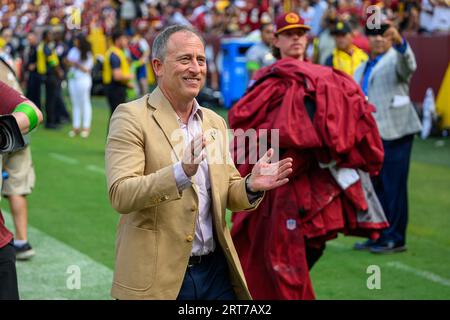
{"x":73,"y":161}
{"x":46,"y":275}
{"x":95,"y":168}
{"x":63,"y":158}
{"x":425,"y":274}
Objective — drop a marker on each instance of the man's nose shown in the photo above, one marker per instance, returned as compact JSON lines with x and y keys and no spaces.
{"x":194,"y":66}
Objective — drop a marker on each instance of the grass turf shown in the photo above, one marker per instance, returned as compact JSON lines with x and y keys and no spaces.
{"x":70,"y":204}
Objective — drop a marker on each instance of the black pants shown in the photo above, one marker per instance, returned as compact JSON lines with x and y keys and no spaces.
{"x":34,"y":88}
{"x":391,"y":186}
{"x":313,"y":255}
{"x":116,"y":94}
{"x":52,"y":94}
{"x":208,"y":280}
{"x":8,"y":276}
{"x":60,"y":107}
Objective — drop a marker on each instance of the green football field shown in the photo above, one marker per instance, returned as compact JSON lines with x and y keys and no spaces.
{"x":72,"y":227}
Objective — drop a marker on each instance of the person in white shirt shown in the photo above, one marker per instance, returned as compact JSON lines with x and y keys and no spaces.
{"x":81,"y":62}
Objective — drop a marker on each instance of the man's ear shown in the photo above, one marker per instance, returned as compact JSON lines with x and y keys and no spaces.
{"x":157,"y":67}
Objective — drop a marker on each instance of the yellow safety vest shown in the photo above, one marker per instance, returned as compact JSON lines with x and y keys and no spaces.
{"x":348,"y":63}
{"x":98,"y":41}
{"x":42,"y":60}
{"x":107,"y":70}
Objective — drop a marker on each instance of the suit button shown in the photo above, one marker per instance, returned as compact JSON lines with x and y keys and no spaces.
{"x":189,"y":238}
{"x":194,"y":208}
{"x":165,"y":197}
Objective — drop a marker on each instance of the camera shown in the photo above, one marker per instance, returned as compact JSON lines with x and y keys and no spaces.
{"x":11,"y":138}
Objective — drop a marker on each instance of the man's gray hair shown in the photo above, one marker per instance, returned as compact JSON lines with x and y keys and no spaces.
{"x":159,"y":46}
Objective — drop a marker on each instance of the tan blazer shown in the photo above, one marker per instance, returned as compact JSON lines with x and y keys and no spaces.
{"x":157,"y":223}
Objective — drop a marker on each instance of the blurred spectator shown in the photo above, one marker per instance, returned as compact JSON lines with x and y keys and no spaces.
{"x":116,"y":71}
{"x":426,"y":15}
{"x":200,"y":14}
{"x":346,"y":56}
{"x":81,"y":63}
{"x":48,"y":66}
{"x":129,"y":11}
{"x":441,"y":16}
{"x":174,"y":15}
{"x":320,"y":6}
{"x":409,"y":22}
{"x":251,"y":13}
{"x":33,"y":79}
{"x":307,"y":12}
{"x":260,"y":54}
{"x":359,"y":38}
{"x":61,"y":50}
{"x":324,"y":43}
{"x":384,"y":79}
{"x":9,"y":49}
{"x":140,"y":53}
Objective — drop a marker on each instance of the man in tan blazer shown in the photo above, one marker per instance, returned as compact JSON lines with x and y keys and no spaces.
{"x":171,"y":178}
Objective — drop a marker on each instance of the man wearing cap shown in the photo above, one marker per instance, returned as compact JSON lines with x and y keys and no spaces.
{"x":319,"y":117}
{"x":346,"y":56}
{"x":385,"y":78}
{"x":290,"y":37}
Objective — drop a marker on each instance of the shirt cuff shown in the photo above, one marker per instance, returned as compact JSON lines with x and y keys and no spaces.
{"x":252,"y":196}
{"x":401,"y":48}
{"x":182,"y":180}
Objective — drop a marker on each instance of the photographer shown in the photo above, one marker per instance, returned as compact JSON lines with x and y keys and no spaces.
{"x":27,"y":117}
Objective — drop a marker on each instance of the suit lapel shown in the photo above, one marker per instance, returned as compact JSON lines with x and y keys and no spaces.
{"x":211,"y":132}
{"x":359,"y":73}
{"x":166,"y":118}
{"x":385,"y":59}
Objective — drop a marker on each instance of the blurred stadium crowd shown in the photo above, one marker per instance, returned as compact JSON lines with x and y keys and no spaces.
{"x":216,"y":16}
{"x":216,"y":19}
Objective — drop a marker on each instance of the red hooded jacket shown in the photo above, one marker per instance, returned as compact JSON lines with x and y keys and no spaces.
{"x":311,"y":208}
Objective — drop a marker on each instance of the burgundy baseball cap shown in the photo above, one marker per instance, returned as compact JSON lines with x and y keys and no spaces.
{"x":289,"y":20}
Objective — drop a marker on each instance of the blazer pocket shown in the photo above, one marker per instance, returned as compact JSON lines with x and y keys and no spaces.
{"x":400,"y":101}
{"x":135,"y":258}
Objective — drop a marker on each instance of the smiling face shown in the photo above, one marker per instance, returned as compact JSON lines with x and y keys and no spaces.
{"x":182,"y":72}
{"x":292,"y":43}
